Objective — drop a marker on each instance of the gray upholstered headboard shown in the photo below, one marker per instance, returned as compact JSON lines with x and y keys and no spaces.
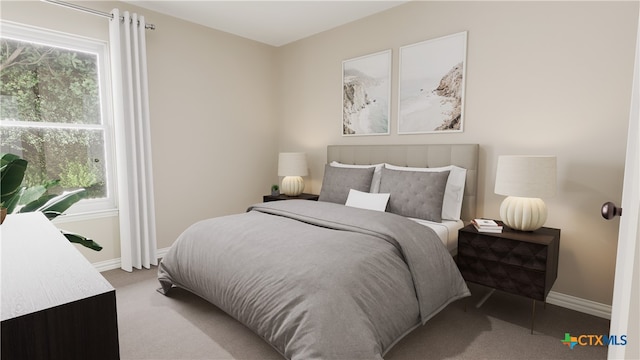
{"x":424,"y":155}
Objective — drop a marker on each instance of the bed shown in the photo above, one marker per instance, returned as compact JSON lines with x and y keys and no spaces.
{"x":335,"y":279}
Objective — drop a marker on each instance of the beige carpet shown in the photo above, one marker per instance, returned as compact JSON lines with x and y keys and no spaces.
{"x":183,"y":326}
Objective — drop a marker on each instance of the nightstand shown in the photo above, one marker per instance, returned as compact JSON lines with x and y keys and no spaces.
{"x":519,"y":262}
{"x":302,"y":196}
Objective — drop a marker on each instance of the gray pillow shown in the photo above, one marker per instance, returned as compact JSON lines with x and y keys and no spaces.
{"x":337,"y":182}
{"x":415,"y":194}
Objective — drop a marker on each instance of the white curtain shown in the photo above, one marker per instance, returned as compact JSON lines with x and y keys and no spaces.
{"x":133,"y":144}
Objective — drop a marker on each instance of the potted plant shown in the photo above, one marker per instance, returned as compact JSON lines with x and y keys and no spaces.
{"x":275,"y":190}
{"x":18,"y":198}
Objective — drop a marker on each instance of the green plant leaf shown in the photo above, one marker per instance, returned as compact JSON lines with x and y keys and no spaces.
{"x":36,"y":204}
{"x":13,"y":201}
{"x":36,"y":192}
{"x":79,"y":239}
{"x":60,"y":203}
{"x":52,"y":214}
{"x":12,"y":169}
{"x":32,"y":194}
{"x":7,"y":158}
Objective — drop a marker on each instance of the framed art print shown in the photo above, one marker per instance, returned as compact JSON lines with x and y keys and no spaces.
{"x":431,"y":85}
{"x":366,"y":94}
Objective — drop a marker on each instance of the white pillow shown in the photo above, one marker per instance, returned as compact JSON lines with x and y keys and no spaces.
{"x":377,"y":173}
{"x":363,"y":200}
{"x":453,"y":192}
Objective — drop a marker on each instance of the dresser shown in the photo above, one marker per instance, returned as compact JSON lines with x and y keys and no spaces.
{"x":55,"y":305}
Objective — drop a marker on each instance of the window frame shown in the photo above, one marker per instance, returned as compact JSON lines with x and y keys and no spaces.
{"x":86,"y":208}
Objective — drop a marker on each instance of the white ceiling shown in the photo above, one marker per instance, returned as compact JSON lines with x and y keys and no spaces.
{"x":271,"y":22}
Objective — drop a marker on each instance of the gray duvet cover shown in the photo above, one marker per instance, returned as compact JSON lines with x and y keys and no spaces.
{"x":317,"y":280}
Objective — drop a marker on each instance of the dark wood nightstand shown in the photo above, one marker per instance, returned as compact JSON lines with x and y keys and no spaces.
{"x":302,"y":196}
{"x":519,"y":262}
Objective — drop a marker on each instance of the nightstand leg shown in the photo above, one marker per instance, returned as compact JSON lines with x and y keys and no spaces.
{"x":484,"y":298}
{"x":533,"y":315}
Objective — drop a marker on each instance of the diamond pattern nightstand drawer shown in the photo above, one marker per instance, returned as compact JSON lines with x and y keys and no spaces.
{"x":513,"y":279}
{"x":506,"y":251}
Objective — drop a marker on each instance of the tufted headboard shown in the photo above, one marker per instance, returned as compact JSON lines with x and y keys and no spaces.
{"x":424,"y":155}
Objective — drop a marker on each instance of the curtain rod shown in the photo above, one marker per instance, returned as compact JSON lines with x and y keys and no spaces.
{"x":91,"y":11}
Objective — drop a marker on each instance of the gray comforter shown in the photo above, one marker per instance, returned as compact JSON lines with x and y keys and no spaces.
{"x":317,"y":280}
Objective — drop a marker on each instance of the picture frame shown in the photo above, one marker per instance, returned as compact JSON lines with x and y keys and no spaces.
{"x":366,"y":95}
{"x":431,"y":85}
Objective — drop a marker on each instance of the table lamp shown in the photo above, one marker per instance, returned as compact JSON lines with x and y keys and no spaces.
{"x":524,"y":180}
{"x":293,"y":166}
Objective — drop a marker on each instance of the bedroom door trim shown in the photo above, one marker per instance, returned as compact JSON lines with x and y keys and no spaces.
{"x":624,"y":309}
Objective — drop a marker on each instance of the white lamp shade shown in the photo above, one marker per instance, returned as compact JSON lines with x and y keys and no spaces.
{"x":525,"y":179}
{"x":292,"y":164}
{"x":526,"y":176}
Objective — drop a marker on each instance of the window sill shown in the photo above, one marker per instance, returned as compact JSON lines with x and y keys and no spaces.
{"x":89,"y":215}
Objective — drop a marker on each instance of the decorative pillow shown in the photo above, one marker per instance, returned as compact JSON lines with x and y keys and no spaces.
{"x":415,"y":194}
{"x":375,"y":182}
{"x":369,"y":201}
{"x":337,"y":182}
{"x":454,"y":192}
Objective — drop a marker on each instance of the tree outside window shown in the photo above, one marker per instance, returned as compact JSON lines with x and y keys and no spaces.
{"x":51,"y":114}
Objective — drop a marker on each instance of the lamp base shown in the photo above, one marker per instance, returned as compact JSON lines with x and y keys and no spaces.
{"x":525,"y":214}
{"x":292,"y":185}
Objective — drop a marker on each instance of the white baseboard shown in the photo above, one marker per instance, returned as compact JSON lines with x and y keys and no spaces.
{"x":107,"y":265}
{"x":115,"y":263}
{"x":555,"y":298}
{"x":579,"y":304}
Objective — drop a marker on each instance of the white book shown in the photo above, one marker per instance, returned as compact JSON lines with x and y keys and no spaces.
{"x":489,"y":230}
{"x":486,"y":224}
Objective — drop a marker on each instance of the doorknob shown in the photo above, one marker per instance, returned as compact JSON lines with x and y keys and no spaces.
{"x":610,"y":210}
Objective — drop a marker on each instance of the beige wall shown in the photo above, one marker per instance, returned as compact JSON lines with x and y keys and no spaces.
{"x":542,"y":78}
{"x":213,"y":118}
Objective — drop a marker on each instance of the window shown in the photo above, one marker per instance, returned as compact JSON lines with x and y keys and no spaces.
{"x":54,"y":111}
